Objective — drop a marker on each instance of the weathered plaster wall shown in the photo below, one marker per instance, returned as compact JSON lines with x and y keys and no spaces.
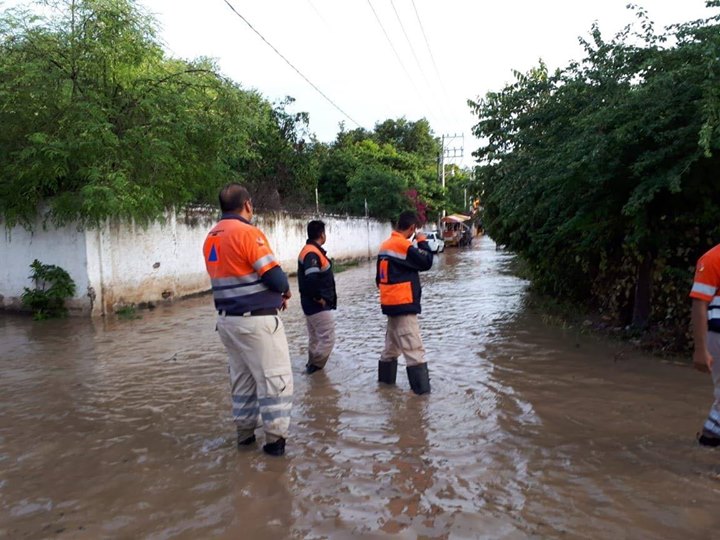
{"x":125,"y":264}
{"x":64,"y":247}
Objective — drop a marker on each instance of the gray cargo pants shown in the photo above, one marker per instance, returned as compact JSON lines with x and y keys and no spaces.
{"x":321,"y":337}
{"x":712,"y":424}
{"x":260,"y":374}
{"x":403,"y":337}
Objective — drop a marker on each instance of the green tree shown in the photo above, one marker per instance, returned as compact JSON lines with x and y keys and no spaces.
{"x":411,"y":137}
{"x":408,"y":150}
{"x":460,"y":189}
{"x":382,"y":188}
{"x":600,"y":172}
{"x":336,"y":169}
{"x":53,"y":286}
{"x":282,"y":167}
{"x":98,"y":123}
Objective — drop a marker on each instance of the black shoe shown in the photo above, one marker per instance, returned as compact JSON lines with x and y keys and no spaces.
{"x":276,"y":448}
{"x":387,"y":371}
{"x":706,"y":440}
{"x":312,"y":368}
{"x":419,"y":378}
{"x":246,"y":441}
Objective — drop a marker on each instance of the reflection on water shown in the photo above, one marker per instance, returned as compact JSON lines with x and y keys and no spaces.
{"x":121,"y":429}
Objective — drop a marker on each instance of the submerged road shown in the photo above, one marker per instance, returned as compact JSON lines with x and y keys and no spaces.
{"x":121,"y":429}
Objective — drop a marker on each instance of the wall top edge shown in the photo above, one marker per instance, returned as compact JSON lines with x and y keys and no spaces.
{"x":192,"y":215}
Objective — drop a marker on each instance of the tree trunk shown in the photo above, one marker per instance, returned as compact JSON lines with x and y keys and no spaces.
{"x":643,"y":286}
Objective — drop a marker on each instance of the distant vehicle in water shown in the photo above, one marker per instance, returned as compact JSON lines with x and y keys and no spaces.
{"x":437,"y":244}
{"x":456,"y":231}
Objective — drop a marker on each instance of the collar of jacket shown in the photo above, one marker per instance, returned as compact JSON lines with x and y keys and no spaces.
{"x":399,"y":235}
{"x":235,"y":216}
{"x":314,"y":243}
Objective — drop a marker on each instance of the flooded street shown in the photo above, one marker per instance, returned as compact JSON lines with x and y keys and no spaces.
{"x":122,"y":428}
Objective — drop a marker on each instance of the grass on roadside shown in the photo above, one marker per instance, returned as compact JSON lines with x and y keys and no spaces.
{"x":127,"y":313}
{"x":344,"y":265}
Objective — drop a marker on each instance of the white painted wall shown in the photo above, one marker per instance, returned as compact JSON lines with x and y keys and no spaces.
{"x":64,"y":247}
{"x":123,"y":264}
{"x":347,"y":237}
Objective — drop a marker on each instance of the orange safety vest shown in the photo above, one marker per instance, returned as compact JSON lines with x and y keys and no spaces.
{"x":316,"y":281}
{"x":706,"y":285}
{"x":237,"y":254}
{"x":312,"y":248}
{"x":397,"y":277}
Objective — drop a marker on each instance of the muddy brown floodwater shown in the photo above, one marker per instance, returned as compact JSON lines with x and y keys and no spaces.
{"x":121,"y":429}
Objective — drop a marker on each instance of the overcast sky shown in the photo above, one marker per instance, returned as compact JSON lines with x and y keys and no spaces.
{"x":340,"y":46}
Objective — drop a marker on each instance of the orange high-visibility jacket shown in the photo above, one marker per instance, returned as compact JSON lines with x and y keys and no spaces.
{"x":706,"y":285}
{"x":237,"y":254}
{"x":398,"y":264}
{"x":315,"y":279}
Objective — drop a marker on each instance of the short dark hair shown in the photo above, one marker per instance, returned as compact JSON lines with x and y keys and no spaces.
{"x":407,"y":219}
{"x":233,"y":197}
{"x":315,"y":229}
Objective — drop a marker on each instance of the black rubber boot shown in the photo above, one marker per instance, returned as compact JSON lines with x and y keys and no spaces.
{"x":312,"y":368}
{"x":419,"y":378}
{"x":276,"y":448}
{"x":708,"y":440}
{"x":243,"y":439}
{"x":387,"y":371}
{"x":247,"y":441}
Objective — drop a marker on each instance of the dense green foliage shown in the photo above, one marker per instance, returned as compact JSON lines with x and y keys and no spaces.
{"x":97,"y":122}
{"x":53,"y":285}
{"x":393,"y":168}
{"x":604,"y":175}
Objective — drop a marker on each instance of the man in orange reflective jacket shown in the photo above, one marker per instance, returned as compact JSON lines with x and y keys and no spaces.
{"x":705,"y":296}
{"x":317,"y":296}
{"x":249,"y":288}
{"x":398,"y":264}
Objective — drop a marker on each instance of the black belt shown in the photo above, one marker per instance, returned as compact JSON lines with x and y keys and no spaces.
{"x":253,"y":313}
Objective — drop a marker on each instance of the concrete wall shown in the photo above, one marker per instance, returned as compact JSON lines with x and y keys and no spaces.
{"x":64,"y":247}
{"x":124,"y":264}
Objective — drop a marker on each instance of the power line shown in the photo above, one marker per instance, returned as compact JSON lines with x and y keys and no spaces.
{"x":292,"y":66}
{"x":320,"y":15}
{"x":402,"y":65}
{"x":427,"y":43}
{"x":412,"y":50}
{"x":377,"y":18}
{"x":432,"y":58}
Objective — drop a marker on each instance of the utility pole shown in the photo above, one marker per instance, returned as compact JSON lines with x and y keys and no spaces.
{"x":442,"y":167}
{"x":452,"y":153}
{"x":367,"y":223}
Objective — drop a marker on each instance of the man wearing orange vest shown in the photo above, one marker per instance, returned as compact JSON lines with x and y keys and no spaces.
{"x":317,"y":296}
{"x":249,"y":288}
{"x":398,"y":264}
{"x":705,"y":296}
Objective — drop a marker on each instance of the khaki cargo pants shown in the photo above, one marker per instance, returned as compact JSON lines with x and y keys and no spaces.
{"x":321,"y":337}
{"x":712,"y":424}
{"x":403,"y":337}
{"x":260,"y":374}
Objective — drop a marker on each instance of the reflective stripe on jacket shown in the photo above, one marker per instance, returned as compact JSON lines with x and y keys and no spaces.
{"x":237,"y":254}
{"x":398,"y":264}
{"x":706,"y":285}
{"x":315,"y":279}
